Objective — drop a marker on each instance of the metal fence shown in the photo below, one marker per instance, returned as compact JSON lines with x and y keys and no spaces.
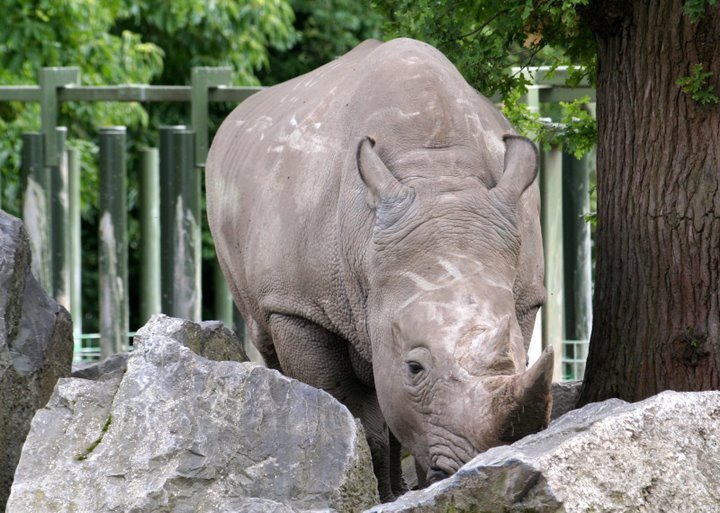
{"x":170,"y":213}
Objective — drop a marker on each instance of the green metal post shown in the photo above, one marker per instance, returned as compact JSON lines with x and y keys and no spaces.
{"x":74,"y":254}
{"x":577,"y":261}
{"x":168,"y":195}
{"x":187,"y":291}
{"x":180,"y":190}
{"x":35,"y":206}
{"x":59,"y":222}
{"x":150,"y":233}
{"x":113,"y":242}
{"x":552,"y":229}
{"x":204,"y":78}
{"x":52,"y":79}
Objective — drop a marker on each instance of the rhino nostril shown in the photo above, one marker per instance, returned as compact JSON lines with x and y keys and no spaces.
{"x":436,"y":474}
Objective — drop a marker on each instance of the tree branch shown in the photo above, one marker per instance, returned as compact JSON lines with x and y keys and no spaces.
{"x":485,"y":24}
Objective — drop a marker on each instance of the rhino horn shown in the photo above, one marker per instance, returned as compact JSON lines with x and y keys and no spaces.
{"x":532,"y":400}
{"x":381,"y":183}
{"x":520,"y":167}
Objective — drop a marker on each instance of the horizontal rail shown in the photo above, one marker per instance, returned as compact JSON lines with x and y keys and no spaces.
{"x":183,"y":94}
{"x":97,"y":336}
{"x":127,"y":93}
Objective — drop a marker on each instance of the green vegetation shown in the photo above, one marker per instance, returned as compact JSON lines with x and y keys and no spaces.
{"x":698,"y":85}
{"x":696,"y":8}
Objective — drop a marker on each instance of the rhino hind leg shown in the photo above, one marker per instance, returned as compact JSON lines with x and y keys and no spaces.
{"x":308,"y":352}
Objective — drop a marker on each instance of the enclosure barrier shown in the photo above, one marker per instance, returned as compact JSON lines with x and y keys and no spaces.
{"x":170,"y":212}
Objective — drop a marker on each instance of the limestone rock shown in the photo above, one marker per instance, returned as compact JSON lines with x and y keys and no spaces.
{"x":210,"y":339}
{"x":661,"y":454}
{"x":565,"y":395}
{"x":36,"y":346}
{"x":177,"y":432}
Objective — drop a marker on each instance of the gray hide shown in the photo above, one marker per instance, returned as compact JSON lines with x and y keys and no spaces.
{"x":377,"y":222}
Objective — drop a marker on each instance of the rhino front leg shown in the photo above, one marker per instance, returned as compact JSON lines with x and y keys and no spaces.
{"x":310,"y":353}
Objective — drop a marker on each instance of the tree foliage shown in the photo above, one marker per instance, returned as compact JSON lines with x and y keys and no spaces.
{"x":325,"y":30}
{"x":119,"y":42}
{"x":125,"y":41}
{"x":219,"y":33}
{"x":486,"y":38}
{"x":51,"y":33}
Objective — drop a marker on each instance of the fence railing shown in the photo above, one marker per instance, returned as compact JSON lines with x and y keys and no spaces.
{"x":170,"y":212}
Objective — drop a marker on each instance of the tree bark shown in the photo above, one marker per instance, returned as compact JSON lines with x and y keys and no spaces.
{"x":656,"y":317}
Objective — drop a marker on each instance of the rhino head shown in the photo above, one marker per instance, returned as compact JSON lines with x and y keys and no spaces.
{"x":449,"y":355}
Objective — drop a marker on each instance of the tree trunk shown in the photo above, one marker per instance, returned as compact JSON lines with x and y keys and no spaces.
{"x":656,"y":318}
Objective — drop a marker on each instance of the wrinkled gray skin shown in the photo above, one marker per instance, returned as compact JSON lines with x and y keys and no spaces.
{"x":377,"y":222}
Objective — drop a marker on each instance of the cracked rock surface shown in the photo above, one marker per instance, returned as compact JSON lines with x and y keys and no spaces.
{"x":36,"y":346}
{"x":177,"y":432}
{"x":660,"y":454}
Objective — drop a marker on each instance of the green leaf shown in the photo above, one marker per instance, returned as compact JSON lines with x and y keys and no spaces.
{"x":697,"y":84}
{"x":694,"y":9}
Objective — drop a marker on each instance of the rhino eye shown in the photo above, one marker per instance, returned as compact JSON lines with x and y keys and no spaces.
{"x":415,"y":368}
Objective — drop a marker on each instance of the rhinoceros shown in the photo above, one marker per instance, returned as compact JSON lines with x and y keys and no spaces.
{"x":377,"y":221}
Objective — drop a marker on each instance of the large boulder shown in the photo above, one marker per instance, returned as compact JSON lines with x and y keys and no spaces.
{"x":36,"y":346}
{"x":661,"y":454}
{"x":177,"y":432}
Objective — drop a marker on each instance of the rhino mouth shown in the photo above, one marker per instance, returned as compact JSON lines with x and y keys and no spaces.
{"x":448,"y":452}
{"x":446,"y":461}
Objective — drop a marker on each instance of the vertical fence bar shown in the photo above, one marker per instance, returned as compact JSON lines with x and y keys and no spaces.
{"x":51,"y":79}
{"x":578,"y":263}
{"x":552,"y":228}
{"x":113,"y":242}
{"x":149,"y":233}
{"x":74,"y":253}
{"x":187,"y":292}
{"x":180,"y":219}
{"x":168,"y":196}
{"x":59,"y":222}
{"x":202,"y":79}
{"x":35,"y":204}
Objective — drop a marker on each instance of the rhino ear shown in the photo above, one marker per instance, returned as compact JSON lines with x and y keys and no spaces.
{"x":520,"y":167}
{"x":382,"y":185}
